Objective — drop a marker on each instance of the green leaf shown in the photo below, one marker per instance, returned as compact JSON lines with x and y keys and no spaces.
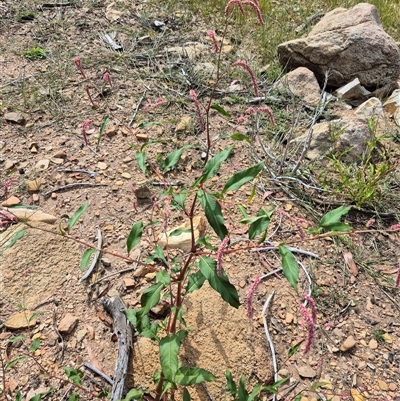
{"x":213,"y":213}
{"x":163,"y":278}
{"x":255,"y":393}
{"x":179,"y":231}
{"x":338,"y":227}
{"x":35,"y":345}
{"x":86,"y":258}
{"x":242,"y":210}
{"x":298,"y":397}
{"x":103,"y":126}
{"x":18,"y":396}
{"x":75,"y":375}
{"x":334,"y":216}
{"x":240,"y":137}
{"x":18,"y":235}
{"x":158,"y":253}
{"x":74,"y":219}
{"x":295,"y":348}
{"x":141,"y":161}
{"x":134,"y":236}
{"x":220,"y":110}
{"x":169,"y":350}
{"x":195,"y":282}
{"x":73,"y":397}
{"x":148,"y":124}
{"x":10,"y":364}
{"x":230,"y":383}
{"x":151,"y":297}
{"x":172,"y":159}
{"x":39,"y":396}
{"x":243,"y":394}
{"x":186,"y":395}
{"x":212,"y":166}
{"x":289,"y":266}
{"x":221,"y":283}
{"x":258,"y":224}
{"x":180,"y":198}
{"x":317,"y":385}
{"x":134,"y":394}
{"x":187,"y":376}
{"x":242,"y":177}
{"x":17,"y":338}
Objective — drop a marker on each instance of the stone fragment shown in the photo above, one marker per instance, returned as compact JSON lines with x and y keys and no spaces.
{"x":301,"y":82}
{"x":57,"y":161}
{"x":16,"y":118}
{"x":373,"y":344}
{"x":205,"y":69}
{"x":102,"y":165}
{"x":306,"y":371}
{"x":60,"y":155}
{"x":142,"y":270}
{"x":184,"y":239}
{"x":11,"y":201}
{"x":353,"y":90}
{"x":349,"y":343}
{"x":32,"y":215}
{"x":9,"y":164}
{"x":42,"y":165}
{"x":142,"y":137}
{"x":111,"y":131}
{"x":191,"y":50}
{"x":80,"y":335}
{"x":392,"y":387}
{"x":161,"y":308}
{"x":383,"y":385}
{"x":370,"y":108}
{"x":289,"y":318}
{"x":129,"y":282}
{"x":35,"y":197}
{"x":67,"y":324}
{"x":21,"y":320}
{"x":346,"y":44}
{"x":393,"y":102}
{"x":126,"y":175}
{"x":34,"y":185}
{"x":184,"y":124}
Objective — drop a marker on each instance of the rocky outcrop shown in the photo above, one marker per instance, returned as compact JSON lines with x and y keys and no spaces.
{"x":348,"y":44}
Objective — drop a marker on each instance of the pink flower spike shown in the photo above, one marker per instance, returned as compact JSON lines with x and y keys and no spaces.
{"x":6,"y":186}
{"x":266,"y":109}
{"x":85,"y":130}
{"x":395,"y":227}
{"x":249,"y":296}
{"x":241,"y":120}
{"x":198,"y":110}
{"x":256,"y":7}
{"x":107,"y":78}
{"x":211,"y":34}
{"x":310,"y":328}
{"x":220,"y":253}
{"x":251,"y":73}
{"x":77,"y":61}
{"x":250,"y":111}
{"x":238,"y":3}
{"x":370,"y":222}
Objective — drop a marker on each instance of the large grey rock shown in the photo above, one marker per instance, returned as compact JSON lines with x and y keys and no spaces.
{"x":345,"y":137}
{"x":350,"y":44}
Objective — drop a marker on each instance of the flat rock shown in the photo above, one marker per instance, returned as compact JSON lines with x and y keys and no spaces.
{"x":9,"y":164}
{"x":348,"y":137}
{"x":184,"y":124}
{"x":346,"y":44}
{"x":32,"y":215}
{"x":67,"y":324}
{"x":373,"y":344}
{"x":21,"y":320}
{"x":16,"y":118}
{"x":370,"y":108}
{"x":306,"y":371}
{"x":222,"y":337}
{"x":184,"y":240}
{"x":11,"y":201}
{"x":349,"y":343}
{"x":301,"y":82}
{"x":42,"y":165}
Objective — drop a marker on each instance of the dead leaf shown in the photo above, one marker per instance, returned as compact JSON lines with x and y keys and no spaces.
{"x":90,"y":330}
{"x":355,"y":394}
{"x":348,"y":258}
{"x":93,"y":360}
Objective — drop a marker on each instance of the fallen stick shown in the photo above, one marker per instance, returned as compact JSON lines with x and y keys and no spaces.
{"x":123,"y":330}
{"x":74,"y":185}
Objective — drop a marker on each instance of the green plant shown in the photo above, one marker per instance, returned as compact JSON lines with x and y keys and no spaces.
{"x":379,"y":336}
{"x":36,"y":53}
